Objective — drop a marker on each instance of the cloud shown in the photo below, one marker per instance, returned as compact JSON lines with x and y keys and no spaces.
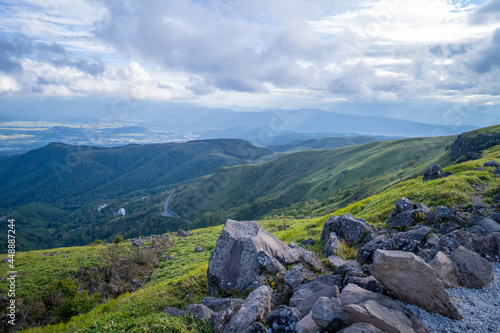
{"x":487,"y":57}
{"x":487,"y":13}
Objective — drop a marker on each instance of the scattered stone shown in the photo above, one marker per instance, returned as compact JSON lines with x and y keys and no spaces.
{"x":167,"y":257}
{"x":398,"y":270}
{"x":136,"y":283}
{"x":6,"y":260}
{"x":445,"y":269}
{"x":403,"y":216}
{"x":200,"y":311}
{"x":434,"y":172}
{"x":137,"y":243}
{"x":307,"y":325}
{"x":198,"y":249}
{"x":493,"y":164}
{"x":255,"y":308}
{"x":418,"y":234}
{"x":448,"y":227}
{"x":497,"y":172}
{"x":283,"y":319}
{"x":350,"y":269}
{"x":479,"y":169}
{"x":312,"y":261}
{"x":174,"y":312}
{"x":297,"y":275}
{"x":309,"y":241}
{"x":326,"y":312}
{"x":336,"y":261}
{"x":182,"y":233}
{"x":473,"y":271}
{"x":361,"y":328}
{"x":331,"y":245}
{"x":432,"y":241}
{"x":233,"y":264}
{"x":354,"y":231}
{"x":444,"y":214}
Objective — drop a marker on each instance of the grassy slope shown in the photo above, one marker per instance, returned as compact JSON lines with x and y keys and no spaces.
{"x":312,"y":182}
{"x":322,"y":143}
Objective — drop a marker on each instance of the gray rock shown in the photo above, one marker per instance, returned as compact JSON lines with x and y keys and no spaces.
{"x":307,"y":325}
{"x":383,"y":312}
{"x":326,"y":312}
{"x":444,"y":214}
{"x":308,"y":293}
{"x":220,"y":304}
{"x":353,"y":230}
{"x":328,"y":228}
{"x":365,"y":252}
{"x":233,"y":264}
{"x":487,"y":246}
{"x":418,"y":234}
{"x":451,"y":241}
{"x":496,"y":216}
{"x":493,"y":164}
{"x":432,"y":241}
{"x":297,"y":275}
{"x":350,"y":269}
{"x":434,"y":172}
{"x":283,"y":319}
{"x":473,"y":271}
{"x":182,"y":233}
{"x":222,"y":318}
{"x":136,"y":283}
{"x":198,"y":249}
{"x":311,"y":261}
{"x":137,"y":243}
{"x":482,"y":225}
{"x":445,"y":269}
{"x":6,"y":260}
{"x":369,"y":283}
{"x":403,"y":217}
{"x":255,"y":309}
{"x":336,"y":261}
{"x":448,"y":227}
{"x":361,"y":328}
{"x":200,"y":311}
{"x":410,"y":279}
{"x":174,"y":312}
{"x":331,"y":245}
{"x":270,"y":264}
{"x":309,"y":241}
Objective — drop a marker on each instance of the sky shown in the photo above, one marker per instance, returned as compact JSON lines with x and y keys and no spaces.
{"x":435,"y":61}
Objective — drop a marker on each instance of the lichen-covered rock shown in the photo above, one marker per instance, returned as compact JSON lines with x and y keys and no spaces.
{"x":200,"y":311}
{"x":492,"y":163}
{"x":234,"y":263}
{"x":434,"y":172}
{"x":311,"y":260}
{"x":406,"y":213}
{"x":331,"y":245}
{"x":483,"y":226}
{"x":307,"y":325}
{"x":410,"y":279}
{"x":354,"y":231}
{"x":283,"y":319}
{"x":222,"y":318}
{"x":220,"y":304}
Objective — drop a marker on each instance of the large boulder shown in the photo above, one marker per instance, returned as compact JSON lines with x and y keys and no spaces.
{"x":487,"y":246}
{"x":383,"y":312}
{"x":255,"y":309}
{"x":283,"y":319}
{"x":406,"y":213}
{"x":492,"y":163}
{"x":403,"y":242}
{"x":354,"y":231}
{"x":473,"y":271}
{"x":200,"y":311}
{"x":331,"y":245}
{"x":241,"y":250}
{"x":408,"y":278}
{"x":483,"y":226}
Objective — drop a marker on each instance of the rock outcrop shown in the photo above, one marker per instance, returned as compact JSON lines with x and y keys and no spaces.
{"x":346,"y":227}
{"x":472,"y":270}
{"x":406,"y":213}
{"x":243,"y":248}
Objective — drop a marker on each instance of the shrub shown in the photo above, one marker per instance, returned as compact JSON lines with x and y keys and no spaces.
{"x":118,"y":239}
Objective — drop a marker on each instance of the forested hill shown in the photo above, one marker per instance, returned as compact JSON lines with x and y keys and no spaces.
{"x":67,"y":176}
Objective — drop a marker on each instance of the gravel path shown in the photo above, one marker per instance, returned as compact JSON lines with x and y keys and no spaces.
{"x":480,"y":308}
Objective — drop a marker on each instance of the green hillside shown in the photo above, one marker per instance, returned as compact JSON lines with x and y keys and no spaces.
{"x":182,"y":280}
{"x":323,"y":143}
{"x":313,"y":182}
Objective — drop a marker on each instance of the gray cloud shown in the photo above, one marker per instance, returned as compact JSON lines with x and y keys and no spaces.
{"x":14,"y":48}
{"x":488,"y":12}
{"x":487,"y":57}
